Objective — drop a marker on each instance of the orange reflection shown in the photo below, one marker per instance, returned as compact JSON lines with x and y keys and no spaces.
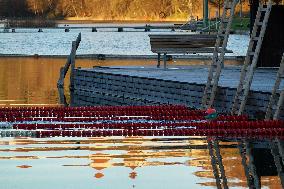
{"x":100,"y":161}
{"x":99,"y":175}
{"x":24,"y":166}
{"x":133,"y":152}
{"x":34,"y":80}
{"x":132,"y":175}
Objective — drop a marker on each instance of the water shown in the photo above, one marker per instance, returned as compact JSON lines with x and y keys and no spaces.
{"x":32,"y":81}
{"x":132,"y":162}
{"x":121,"y":162}
{"x":58,"y":42}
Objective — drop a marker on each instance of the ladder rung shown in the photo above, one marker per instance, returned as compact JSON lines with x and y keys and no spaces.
{"x":255,"y":38}
{"x":225,"y":20}
{"x":263,"y":9}
{"x":251,"y":53}
{"x":259,"y":23}
{"x":220,"y":50}
{"x":278,"y":91}
{"x":229,"y":5}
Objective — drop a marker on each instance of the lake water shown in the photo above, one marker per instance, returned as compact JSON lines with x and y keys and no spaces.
{"x":116,"y":162}
{"x":123,"y":162}
{"x":58,"y":42}
{"x":131,"y":162}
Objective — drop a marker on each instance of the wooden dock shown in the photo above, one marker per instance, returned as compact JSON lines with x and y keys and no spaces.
{"x":176,"y":85}
{"x":101,"y":27}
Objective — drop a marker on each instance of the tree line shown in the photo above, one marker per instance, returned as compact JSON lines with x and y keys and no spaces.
{"x":106,"y":9}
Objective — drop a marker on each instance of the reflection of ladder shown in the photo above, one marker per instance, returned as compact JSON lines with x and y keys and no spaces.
{"x":216,"y":159}
{"x":272,"y":101}
{"x":277,"y":152}
{"x":219,"y":53}
{"x":249,"y":167}
{"x":276,"y":146}
{"x":251,"y":59}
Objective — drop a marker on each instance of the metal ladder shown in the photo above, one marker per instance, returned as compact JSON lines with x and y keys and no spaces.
{"x":219,"y":53}
{"x":251,"y":59}
{"x":253,"y":181}
{"x":216,"y":159}
{"x":272,"y":101}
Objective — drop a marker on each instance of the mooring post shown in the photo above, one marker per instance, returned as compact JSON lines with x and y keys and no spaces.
{"x":147,"y":28}
{"x":165,"y":60}
{"x":159,"y":60}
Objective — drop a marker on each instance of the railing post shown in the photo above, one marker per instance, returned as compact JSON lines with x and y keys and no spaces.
{"x":60,"y":82}
{"x":72,"y":61}
{"x":63,"y":70}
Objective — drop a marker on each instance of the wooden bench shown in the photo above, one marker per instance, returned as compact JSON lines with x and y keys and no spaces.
{"x":181,"y":44}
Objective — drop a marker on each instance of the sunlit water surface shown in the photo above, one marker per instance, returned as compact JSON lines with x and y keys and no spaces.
{"x":116,"y":162}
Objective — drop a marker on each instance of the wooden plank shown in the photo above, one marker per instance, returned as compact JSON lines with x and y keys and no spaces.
{"x":184,"y":50}
{"x":180,"y":46}
{"x":172,"y":36}
{"x":198,"y":40}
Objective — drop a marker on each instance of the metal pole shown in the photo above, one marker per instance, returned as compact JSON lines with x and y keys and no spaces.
{"x":205,"y":13}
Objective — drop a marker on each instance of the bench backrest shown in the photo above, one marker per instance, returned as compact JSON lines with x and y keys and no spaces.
{"x":182,"y":43}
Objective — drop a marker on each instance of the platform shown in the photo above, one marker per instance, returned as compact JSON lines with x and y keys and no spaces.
{"x":176,"y":85}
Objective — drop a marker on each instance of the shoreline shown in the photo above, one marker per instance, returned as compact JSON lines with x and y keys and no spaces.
{"x":115,"y":56}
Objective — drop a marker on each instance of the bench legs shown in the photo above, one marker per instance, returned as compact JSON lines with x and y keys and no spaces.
{"x":165,"y":60}
{"x":159,"y":60}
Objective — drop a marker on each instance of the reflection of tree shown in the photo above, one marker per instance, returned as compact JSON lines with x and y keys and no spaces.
{"x":133,"y":175}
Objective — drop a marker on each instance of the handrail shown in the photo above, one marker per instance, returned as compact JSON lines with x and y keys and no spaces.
{"x":70,"y":61}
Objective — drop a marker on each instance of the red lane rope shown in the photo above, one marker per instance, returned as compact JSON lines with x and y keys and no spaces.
{"x":165,"y":120}
{"x":237,"y":133}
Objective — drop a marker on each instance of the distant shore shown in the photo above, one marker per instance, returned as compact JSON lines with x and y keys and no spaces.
{"x":114,"y":56}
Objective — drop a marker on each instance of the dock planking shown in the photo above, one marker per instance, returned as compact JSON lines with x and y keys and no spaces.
{"x":175,"y":85}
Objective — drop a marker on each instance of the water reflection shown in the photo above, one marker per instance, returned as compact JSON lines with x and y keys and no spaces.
{"x":33,"y":81}
{"x":24,"y":166}
{"x":236,"y":163}
{"x":186,"y":162}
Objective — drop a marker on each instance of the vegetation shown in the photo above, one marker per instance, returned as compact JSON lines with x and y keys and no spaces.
{"x":108,"y":9}
{"x":241,"y":23}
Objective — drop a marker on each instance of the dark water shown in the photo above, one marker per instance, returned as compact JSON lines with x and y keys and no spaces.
{"x":120,"y":162}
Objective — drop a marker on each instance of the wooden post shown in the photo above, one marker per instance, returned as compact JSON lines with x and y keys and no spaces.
{"x":159,"y":60}
{"x":165,"y":60}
